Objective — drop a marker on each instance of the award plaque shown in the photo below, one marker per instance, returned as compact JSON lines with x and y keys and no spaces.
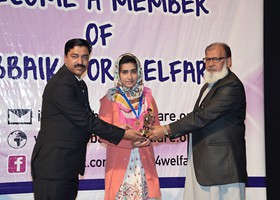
{"x":149,"y":120}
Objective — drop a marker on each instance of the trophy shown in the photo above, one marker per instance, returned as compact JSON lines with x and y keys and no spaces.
{"x":149,"y":120}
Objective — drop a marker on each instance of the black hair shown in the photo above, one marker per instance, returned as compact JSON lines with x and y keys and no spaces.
{"x":127,"y":59}
{"x":70,"y":44}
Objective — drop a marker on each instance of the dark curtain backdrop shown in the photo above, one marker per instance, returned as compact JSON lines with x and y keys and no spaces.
{"x":272,"y":99}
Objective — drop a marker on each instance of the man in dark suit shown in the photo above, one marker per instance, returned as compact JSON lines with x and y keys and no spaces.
{"x":216,"y":129}
{"x":66,"y":126}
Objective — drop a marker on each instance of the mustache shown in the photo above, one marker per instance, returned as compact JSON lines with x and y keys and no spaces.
{"x":80,"y":65}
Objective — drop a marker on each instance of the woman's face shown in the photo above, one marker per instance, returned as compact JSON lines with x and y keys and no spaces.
{"x":128,"y":74}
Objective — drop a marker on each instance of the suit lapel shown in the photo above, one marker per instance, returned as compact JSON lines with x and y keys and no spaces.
{"x":81,"y":88}
{"x":200,"y":95}
{"x":212,"y":90}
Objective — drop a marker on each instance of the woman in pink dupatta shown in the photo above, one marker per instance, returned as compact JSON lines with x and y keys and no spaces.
{"x":130,"y":167}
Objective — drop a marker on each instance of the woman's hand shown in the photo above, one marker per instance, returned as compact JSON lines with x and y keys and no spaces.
{"x":142,"y":143}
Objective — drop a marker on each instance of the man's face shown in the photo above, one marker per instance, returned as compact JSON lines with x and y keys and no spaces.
{"x":77,"y":60}
{"x":216,"y":59}
{"x":216,"y":64}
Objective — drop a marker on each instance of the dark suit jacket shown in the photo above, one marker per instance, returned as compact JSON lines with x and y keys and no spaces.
{"x":66,"y":125}
{"x":218,"y":133}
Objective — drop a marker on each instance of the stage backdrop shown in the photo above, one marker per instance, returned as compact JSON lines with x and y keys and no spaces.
{"x":169,"y":37}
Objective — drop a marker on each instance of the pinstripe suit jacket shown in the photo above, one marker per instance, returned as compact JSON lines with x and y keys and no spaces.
{"x":218,"y":133}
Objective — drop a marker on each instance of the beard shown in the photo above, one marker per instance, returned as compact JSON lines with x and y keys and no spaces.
{"x":212,"y":77}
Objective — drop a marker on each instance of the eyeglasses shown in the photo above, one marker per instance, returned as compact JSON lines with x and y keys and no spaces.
{"x":214,"y":59}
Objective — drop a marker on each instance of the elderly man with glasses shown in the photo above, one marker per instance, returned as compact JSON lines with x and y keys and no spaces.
{"x":216,"y":132}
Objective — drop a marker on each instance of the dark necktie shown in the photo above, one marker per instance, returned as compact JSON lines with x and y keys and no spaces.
{"x":85,"y":93}
{"x":83,"y":86}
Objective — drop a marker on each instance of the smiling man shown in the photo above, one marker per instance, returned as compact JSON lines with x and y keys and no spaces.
{"x":66,"y":126}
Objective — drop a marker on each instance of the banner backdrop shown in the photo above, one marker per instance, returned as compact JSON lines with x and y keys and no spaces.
{"x":168,"y":36}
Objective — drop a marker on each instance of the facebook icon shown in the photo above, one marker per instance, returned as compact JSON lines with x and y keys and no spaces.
{"x":17,"y":164}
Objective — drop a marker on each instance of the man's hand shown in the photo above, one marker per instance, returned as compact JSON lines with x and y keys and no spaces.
{"x":133,"y":135}
{"x":158,"y":132}
{"x":125,"y":126}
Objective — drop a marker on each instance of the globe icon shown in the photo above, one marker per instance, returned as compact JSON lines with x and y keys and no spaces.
{"x":17,"y":139}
